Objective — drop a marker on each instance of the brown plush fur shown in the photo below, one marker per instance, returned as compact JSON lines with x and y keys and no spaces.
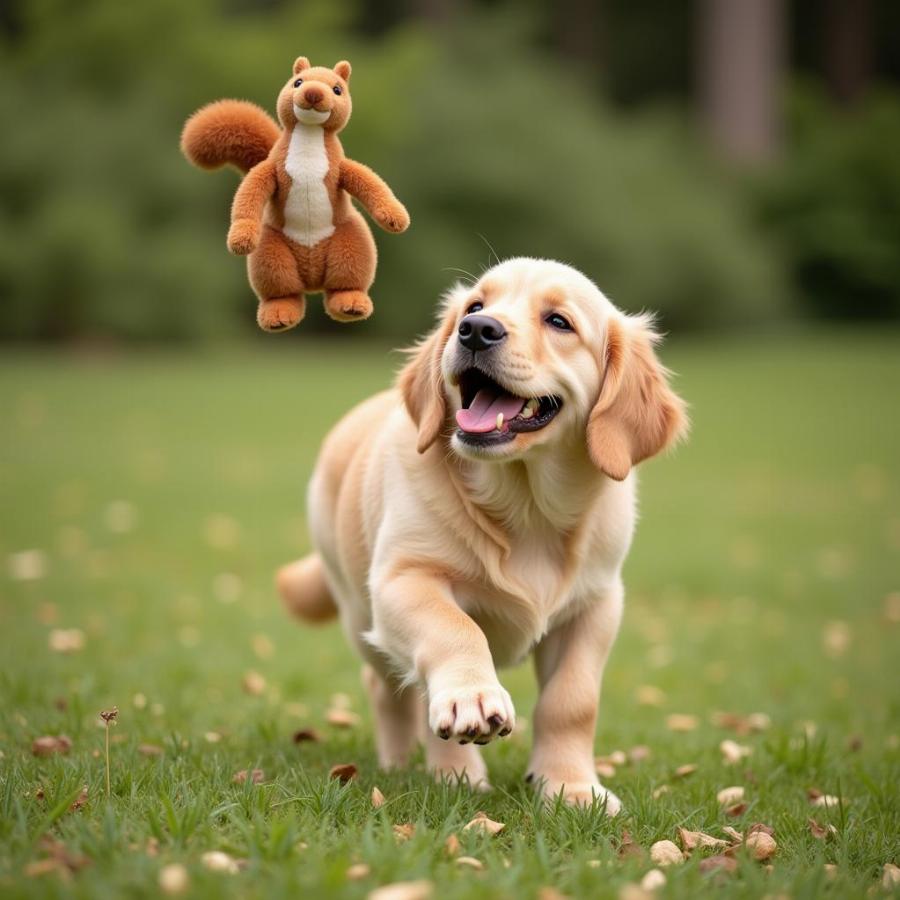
{"x":281,"y":269}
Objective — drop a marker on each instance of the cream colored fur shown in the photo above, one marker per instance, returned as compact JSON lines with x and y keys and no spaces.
{"x":447,"y":563}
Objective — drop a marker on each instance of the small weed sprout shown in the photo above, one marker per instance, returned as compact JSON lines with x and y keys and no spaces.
{"x":109,"y":716}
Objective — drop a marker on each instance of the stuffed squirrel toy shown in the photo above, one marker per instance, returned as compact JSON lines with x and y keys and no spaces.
{"x":292,"y":216}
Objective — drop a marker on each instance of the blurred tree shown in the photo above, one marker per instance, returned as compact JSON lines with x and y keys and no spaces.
{"x":848,"y":49}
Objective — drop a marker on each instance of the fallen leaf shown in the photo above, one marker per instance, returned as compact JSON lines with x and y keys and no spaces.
{"x":733,"y":752}
{"x":27,"y":565}
{"x":821,"y":832}
{"x":253,"y":683}
{"x":691,"y":840}
{"x":605,"y":770}
{"x":212,"y":737}
{"x":66,"y":640}
{"x":639,"y":753}
{"x":227,"y":587}
{"x":256,"y":776}
{"x":470,"y":862}
{"x":121,"y":516}
{"x":81,"y":800}
{"x":718,"y":864}
{"x":666,"y":853}
{"x":358,"y":871}
{"x":730,"y":795}
{"x":835,"y":638}
{"x":341,"y":701}
{"x":217,"y":861}
{"x":742,"y":724}
{"x":761,"y":845}
{"x":616,"y":758}
{"x":50,"y":744}
{"x":890,"y":876}
{"x":633,"y":891}
{"x":759,"y":826}
{"x":342,"y":718}
{"x":173,"y":879}
{"x":404,"y":890}
{"x":650,"y":695}
{"x":42,"y":867}
{"x":734,"y":834}
{"x":892,"y":607}
{"x":662,"y":789}
{"x":736,"y":809}
{"x":344,"y":772}
{"x":653,"y":880}
{"x":377,"y":798}
{"x":303,"y":735}
{"x":685,"y":770}
{"x":681,"y":722}
{"x":150,"y":750}
{"x":831,"y":870}
{"x":451,"y":845}
{"x":550,"y":893}
{"x":628,"y":848}
{"x":817,"y":798}
{"x":483,"y":823}
{"x":404,"y":831}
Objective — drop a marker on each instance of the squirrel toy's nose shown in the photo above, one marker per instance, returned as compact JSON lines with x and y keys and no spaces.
{"x":480,"y":332}
{"x":312,"y":95}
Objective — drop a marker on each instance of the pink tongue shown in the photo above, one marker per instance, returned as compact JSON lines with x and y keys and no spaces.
{"x":481,"y":416}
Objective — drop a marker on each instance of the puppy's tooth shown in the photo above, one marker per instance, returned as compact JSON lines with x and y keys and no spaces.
{"x":499,"y":421}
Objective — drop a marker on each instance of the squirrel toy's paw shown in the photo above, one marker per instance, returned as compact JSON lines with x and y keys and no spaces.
{"x":280,"y":314}
{"x":392,"y":217}
{"x":243,"y":236}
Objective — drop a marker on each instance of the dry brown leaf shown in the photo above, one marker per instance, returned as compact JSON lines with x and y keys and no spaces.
{"x":344,"y":772}
{"x":639,"y":753}
{"x":150,"y":750}
{"x":829,"y":801}
{"x":650,"y":695}
{"x":681,"y":722}
{"x":760,"y":826}
{"x":605,"y":770}
{"x":358,"y":871}
{"x":831,"y":870}
{"x":27,"y":565}
{"x":666,"y":853}
{"x":658,"y":792}
{"x":685,"y":770}
{"x":66,"y":640}
{"x":653,"y":880}
{"x":483,"y":823}
{"x":892,"y":607}
{"x":733,"y":752}
{"x":470,"y":862}
{"x":742,"y":724}
{"x":256,"y":776}
{"x":718,"y":864}
{"x":404,"y":831}
{"x":377,"y":798}
{"x":734,"y":834}
{"x":404,"y":890}
{"x":342,"y":718}
{"x":212,"y":737}
{"x":890,"y":876}
{"x":550,"y":893}
{"x":173,"y":879}
{"x":81,"y":800}
{"x":628,"y":848}
{"x":43,"y":867}
{"x":253,"y":683}
{"x":691,"y":840}
{"x":217,"y":861}
{"x":835,"y":638}
{"x":730,"y":795}
{"x":451,"y":845}
{"x":304,"y":735}
{"x":821,"y":832}
{"x":632,"y":891}
{"x":50,"y":744}
{"x":262,"y":646}
{"x":761,"y":845}
{"x":736,"y":809}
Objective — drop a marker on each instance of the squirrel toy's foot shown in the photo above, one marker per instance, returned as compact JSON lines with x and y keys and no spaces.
{"x":281,"y":313}
{"x":348,"y":306}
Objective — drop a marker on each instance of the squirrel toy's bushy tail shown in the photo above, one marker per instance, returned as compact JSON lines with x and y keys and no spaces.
{"x":229,"y":132}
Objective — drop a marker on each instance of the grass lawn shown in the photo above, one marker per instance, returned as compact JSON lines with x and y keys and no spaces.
{"x":160,"y":492}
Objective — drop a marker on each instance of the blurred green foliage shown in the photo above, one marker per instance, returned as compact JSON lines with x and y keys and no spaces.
{"x":834,"y":205}
{"x":492,"y":141}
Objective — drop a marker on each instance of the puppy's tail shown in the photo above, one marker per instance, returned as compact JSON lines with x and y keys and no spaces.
{"x":304,"y":590}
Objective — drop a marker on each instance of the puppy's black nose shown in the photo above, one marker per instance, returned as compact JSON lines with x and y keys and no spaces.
{"x":480,"y":332}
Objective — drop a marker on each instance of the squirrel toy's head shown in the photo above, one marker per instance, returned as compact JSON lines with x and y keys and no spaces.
{"x":316,"y":95}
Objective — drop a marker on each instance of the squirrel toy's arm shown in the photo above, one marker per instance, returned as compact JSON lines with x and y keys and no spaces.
{"x":361,"y":182}
{"x":247,"y":209}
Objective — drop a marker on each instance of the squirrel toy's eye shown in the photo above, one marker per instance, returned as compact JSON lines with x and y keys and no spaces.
{"x":298,"y":82}
{"x":337,"y":90}
{"x":475,"y":307}
{"x":558,"y":321}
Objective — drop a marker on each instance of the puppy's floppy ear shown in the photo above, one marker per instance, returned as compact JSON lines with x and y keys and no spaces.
{"x":421,"y":382}
{"x":637,"y":414}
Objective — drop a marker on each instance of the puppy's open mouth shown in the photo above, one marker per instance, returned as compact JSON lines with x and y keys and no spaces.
{"x":493,"y":415}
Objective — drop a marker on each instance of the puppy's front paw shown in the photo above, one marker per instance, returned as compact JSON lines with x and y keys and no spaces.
{"x":477,"y":713}
{"x":577,"y":793}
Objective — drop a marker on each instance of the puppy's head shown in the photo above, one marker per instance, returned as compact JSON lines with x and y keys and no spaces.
{"x":535,"y":355}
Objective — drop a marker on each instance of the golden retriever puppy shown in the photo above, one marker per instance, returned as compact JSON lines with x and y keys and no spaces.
{"x":482,"y":510}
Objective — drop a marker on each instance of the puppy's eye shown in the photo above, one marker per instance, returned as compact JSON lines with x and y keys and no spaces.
{"x":475,"y":307}
{"x":337,"y":89}
{"x":298,"y":82}
{"x":559,"y":322}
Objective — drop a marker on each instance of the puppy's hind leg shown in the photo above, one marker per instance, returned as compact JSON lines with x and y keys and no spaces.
{"x":304,"y":590}
{"x":395,"y":710}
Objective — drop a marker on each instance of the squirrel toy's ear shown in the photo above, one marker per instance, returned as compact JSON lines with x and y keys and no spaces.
{"x":300,"y":63}
{"x":343,"y":69}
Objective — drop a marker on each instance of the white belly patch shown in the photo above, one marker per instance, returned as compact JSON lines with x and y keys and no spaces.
{"x":308,"y":217}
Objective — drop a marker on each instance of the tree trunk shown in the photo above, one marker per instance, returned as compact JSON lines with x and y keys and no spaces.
{"x":848,"y":49}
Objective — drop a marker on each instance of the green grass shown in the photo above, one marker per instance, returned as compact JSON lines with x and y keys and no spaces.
{"x":780,"y":516}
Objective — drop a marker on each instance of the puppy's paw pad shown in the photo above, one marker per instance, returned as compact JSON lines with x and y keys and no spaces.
{"x":471,"y":714}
